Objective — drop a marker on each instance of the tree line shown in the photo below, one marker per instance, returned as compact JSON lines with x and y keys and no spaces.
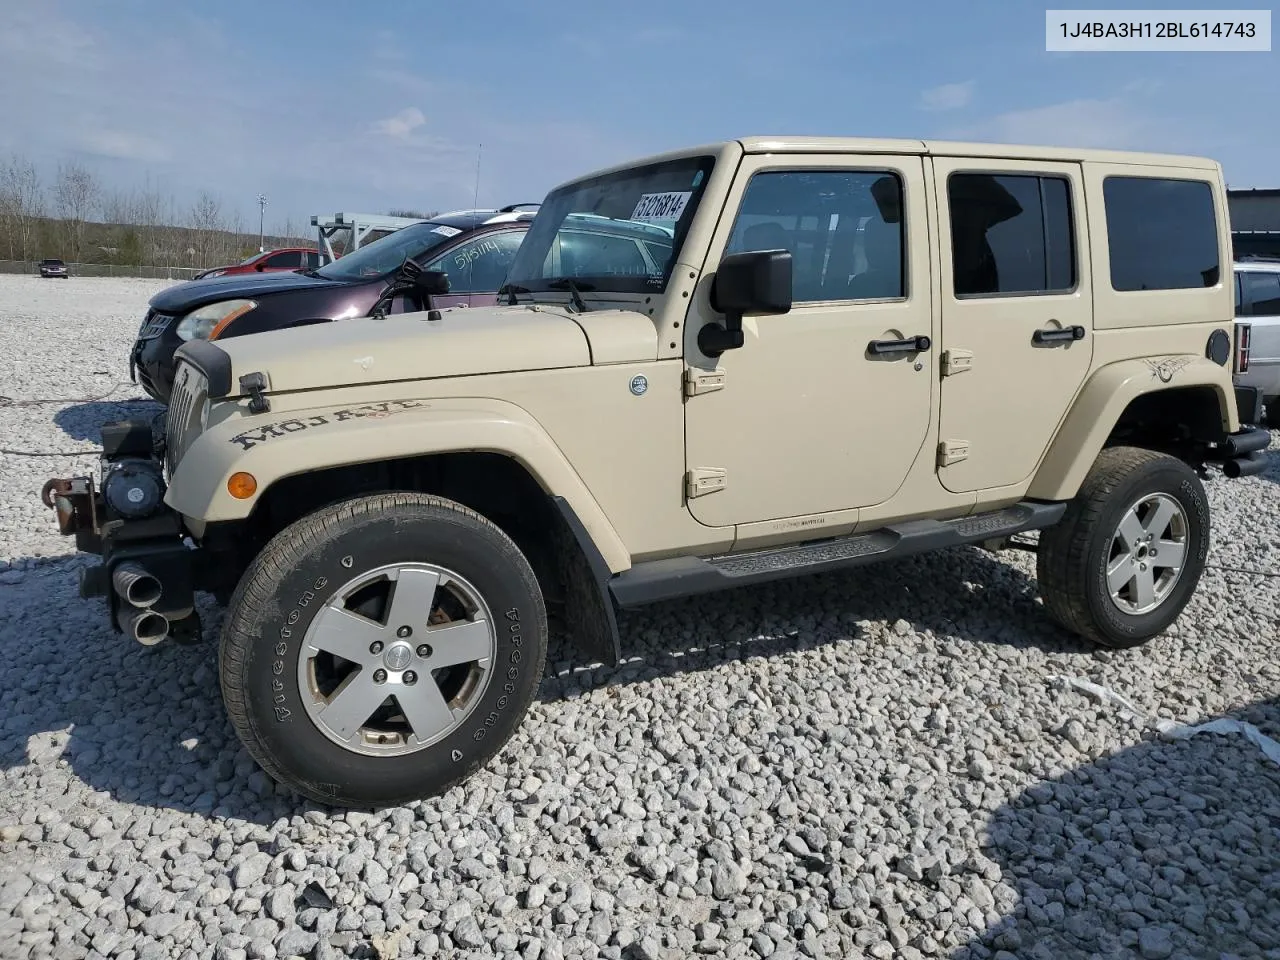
{"x":74,"y":217}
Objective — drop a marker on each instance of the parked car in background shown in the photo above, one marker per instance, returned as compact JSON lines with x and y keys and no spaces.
{"x":53,"y":267}
{"x":1257,"y":364}
{"x":473,"y":248}
{"x":283,"y":258}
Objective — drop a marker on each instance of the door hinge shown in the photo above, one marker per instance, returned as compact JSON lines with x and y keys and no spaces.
{"x":956,"y":361}
{"x":952,"y":451}
{"x":704,"y":480}
{"x":703,"y":381}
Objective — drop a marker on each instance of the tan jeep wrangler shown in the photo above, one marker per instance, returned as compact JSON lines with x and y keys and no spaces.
{"x":774,"y":357}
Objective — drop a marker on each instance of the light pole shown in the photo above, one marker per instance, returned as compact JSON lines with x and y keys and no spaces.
{"x":262,"y":212}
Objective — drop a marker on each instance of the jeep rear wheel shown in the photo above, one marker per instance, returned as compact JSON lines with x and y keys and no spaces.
{"x":382,"y":649}
{"x":1126,"y":557}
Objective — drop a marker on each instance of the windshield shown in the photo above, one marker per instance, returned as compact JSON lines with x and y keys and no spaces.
{"x":620,"y":232}
{"x":387,"y":253}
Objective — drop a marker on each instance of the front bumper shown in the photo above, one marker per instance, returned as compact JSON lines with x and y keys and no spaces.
{"x":151,"y":363}
{"x":151,"y":366}
{"x":149,"y":571}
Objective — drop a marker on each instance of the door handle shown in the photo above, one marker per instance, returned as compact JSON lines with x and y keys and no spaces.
{"x":910,"y":345}
{"x":1065,"y":335}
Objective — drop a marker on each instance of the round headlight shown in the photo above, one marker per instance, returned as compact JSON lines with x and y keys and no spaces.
{"x":211,"y":319}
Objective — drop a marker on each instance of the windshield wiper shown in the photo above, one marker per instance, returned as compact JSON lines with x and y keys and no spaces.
{"x":575,"y":291}
{"x":511,"y":289}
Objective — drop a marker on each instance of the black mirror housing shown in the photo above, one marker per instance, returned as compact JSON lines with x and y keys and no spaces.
{"x":758,"y":281}
{"x":754,"y":282}
{"x":432,"y":283}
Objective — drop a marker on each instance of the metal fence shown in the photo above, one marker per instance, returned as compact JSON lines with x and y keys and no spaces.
{"x":104,"y":270}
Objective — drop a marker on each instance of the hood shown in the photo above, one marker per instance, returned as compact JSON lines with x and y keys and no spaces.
{"x":409,"y":347}
{"x":184,"y":297}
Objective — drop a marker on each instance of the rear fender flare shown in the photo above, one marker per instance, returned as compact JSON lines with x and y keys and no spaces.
{"x":1102,"y":400}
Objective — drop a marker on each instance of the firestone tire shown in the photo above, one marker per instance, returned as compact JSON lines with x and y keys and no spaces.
{"x":341,"y":608}
{"x":1105,"y":572}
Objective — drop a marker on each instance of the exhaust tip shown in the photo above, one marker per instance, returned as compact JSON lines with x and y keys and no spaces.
{"x":146,"y":626}
{"x":136,"y":585}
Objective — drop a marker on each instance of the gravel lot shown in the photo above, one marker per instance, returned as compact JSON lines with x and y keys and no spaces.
{"x":889,"y":763}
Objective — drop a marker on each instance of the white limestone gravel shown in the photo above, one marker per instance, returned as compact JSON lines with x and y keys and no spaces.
{"x":888,"y":763}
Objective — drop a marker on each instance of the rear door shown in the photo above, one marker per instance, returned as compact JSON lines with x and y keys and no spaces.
{"x":1016,"y":291}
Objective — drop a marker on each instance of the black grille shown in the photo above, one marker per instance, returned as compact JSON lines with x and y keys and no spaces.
{"x":180,"y":403}
{"x":154,"y":324}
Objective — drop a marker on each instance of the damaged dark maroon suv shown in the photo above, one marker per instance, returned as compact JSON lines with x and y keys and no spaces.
{"x":471,"y":248}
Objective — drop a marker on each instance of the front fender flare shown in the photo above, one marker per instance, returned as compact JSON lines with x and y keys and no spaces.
{"x":1104,"y":397}
{"x":299,"y":441}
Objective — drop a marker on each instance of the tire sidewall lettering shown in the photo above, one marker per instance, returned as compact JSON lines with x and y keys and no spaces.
{"x":514,"y":637}
{"x":283,"y":713}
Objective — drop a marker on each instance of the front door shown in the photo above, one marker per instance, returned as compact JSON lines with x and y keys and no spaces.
{"x":477,"y":268}
{"x":809,"y":418}
{"x":1017,"y":335}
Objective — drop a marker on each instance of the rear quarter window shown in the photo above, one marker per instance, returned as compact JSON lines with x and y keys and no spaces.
{"x":1162,"y":233}
{"x":1263,"y":289}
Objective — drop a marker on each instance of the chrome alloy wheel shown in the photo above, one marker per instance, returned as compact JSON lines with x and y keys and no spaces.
{"x":1148,"y":552}
{"x":396,"y":659}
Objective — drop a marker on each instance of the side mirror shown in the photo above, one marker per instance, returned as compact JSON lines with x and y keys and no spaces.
{"x":755,"y":282}
{"x":431,"y":283}
{"x":260,"y":265}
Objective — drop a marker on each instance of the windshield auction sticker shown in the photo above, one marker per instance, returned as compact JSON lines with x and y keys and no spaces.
{"x":1174,"y":31}
{"x":661,"y":206}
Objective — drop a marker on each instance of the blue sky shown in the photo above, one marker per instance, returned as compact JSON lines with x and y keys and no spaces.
{"x":363,"y":106}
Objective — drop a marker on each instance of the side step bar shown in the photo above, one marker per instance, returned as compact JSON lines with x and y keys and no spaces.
{"x":659,"y":580}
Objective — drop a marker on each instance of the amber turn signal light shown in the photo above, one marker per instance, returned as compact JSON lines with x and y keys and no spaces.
{"x":242,"y":486}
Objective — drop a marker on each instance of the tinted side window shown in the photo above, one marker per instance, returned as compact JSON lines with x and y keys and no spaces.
{"x":843,"y":229}
{"x":1263,"y":291}
{"x":1163,"y":233}
{"x":1010,"y":233}
{"x":659,"y":252}
{"x":591,"y":254}
{"x":481,"y":265}
{"x":285,"y":261}
{"x":1239,"y":313}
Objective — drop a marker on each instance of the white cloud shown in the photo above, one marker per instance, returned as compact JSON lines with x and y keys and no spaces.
{"x":402,"y":124}
{"x":1106,"y":123}
{"x":123,"y":146}
{"x":949,"y":96}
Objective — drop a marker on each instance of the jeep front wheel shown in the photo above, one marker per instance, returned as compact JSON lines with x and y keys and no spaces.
{"x":382,"y":649}
{"x":1128,"y":554}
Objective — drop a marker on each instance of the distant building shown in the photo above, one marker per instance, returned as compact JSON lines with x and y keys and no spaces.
{"x":1255,"y":221}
